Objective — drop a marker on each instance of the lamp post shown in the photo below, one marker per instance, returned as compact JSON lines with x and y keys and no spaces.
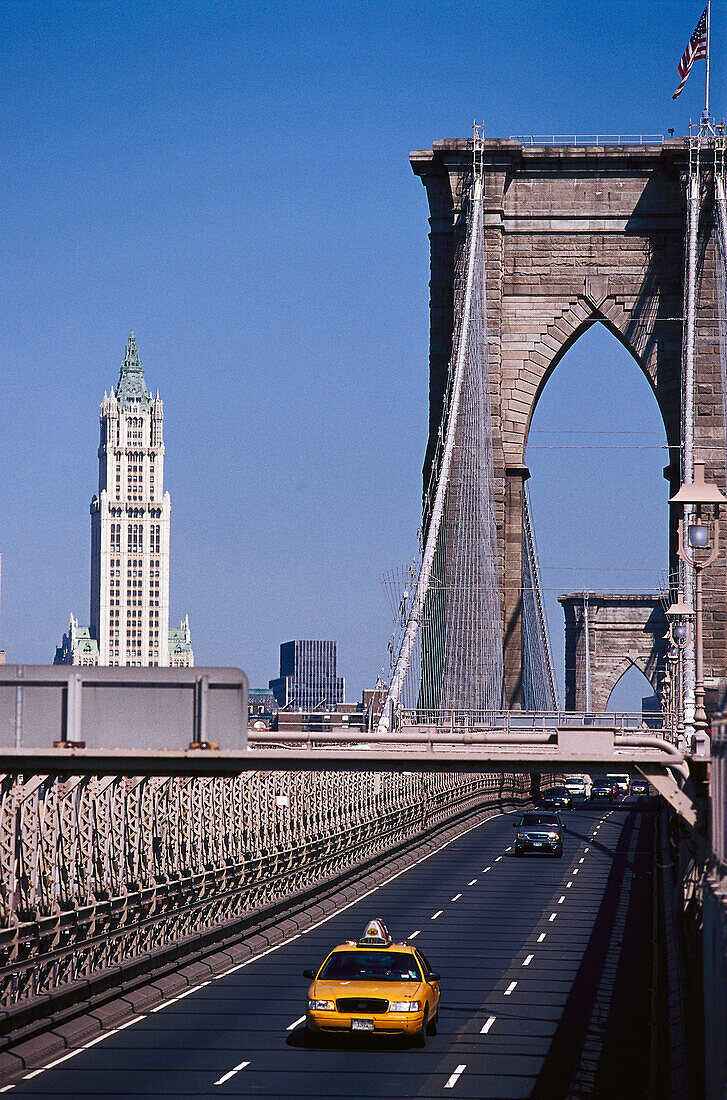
{"x":698,"y":547}
{"x":679,"y":616}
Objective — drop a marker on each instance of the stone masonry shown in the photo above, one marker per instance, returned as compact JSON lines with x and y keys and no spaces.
{"x":577,"y":235}
{"x":622,"y":631}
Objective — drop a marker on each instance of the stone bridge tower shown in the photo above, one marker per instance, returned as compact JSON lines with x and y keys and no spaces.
{"x":576,"y":235}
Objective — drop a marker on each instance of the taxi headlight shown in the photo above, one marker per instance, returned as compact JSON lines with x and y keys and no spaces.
{"x":320,"y":1006}
{"x":553,"y":836}
{"x":405,"y":1006}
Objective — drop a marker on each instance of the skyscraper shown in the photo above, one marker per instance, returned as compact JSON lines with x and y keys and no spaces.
{"x":129,"y":537}
{"x":308,"y":676}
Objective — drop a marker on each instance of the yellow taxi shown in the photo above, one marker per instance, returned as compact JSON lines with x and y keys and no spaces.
{"x":374,"y":985}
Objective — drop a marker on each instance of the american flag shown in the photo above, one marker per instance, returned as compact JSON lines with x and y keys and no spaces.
{"x":695,"y":51}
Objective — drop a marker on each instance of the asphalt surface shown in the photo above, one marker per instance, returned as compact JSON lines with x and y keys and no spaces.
{"x":545,"y":964}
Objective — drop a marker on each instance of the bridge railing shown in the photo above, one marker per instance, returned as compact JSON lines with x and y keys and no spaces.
{"x":589,"y":139}
{"x":97,"y":870}
{"x":534,"y":721}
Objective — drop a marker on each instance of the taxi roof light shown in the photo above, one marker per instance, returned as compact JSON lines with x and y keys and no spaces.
{"x":376,"y":934}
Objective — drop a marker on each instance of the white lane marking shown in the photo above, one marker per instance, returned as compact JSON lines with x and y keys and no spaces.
{"x":293,"y":1026}
{"x":541,"y":937}
{"x":569,"y":884}
{"x":231,"y":1073}
{"x":415,"y":934}
{"x":174,"y":1000}
{"x":485,"y":869}
{"x":574,"y":871}
{"x":509,"y":848}
{"x":86,"y":1046}
{"x":455,"y":1076}
{"x":561,"y":899}
{"x":509,"y":989}
{"x":552,"y":916}
{"x":487,"y":1025}
{"x":337,"y":912}
{"x":528,"y":959}
{"x":582,"y":859}
{"x":437,"y":914}
{"x":472,"y":881}
{"x":456,"y":897}
{"x":7,"y":1088}
{"x":586,"y":849}
{"x":497,"y":859}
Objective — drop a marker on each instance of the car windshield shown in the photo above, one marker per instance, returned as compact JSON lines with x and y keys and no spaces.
{"x":372,"y":966}
{"x":540,"y":819}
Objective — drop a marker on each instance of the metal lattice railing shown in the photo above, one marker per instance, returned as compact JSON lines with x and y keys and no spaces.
{"x":97,"y":871}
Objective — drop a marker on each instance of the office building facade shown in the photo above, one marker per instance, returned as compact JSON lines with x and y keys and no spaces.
{"x":308,"y":678}
{"x":130,"y":520}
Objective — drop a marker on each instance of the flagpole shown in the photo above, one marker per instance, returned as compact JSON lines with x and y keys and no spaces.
{"x":706,"y":78}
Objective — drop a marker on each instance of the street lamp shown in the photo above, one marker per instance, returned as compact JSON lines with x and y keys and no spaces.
{"x":679,"y":616}
{"x":698,"y":547}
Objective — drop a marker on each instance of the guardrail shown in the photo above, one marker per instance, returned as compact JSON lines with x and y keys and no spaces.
{"x":98,"y":870}
{"x":589,"y":139}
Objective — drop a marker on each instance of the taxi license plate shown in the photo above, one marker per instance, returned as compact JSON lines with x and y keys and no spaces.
{"x":362,"y":1025}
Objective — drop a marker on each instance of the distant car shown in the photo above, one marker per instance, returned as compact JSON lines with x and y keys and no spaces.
{"x":639,"y":786}
{"x":602,"y":788}
{"x":557,"y":798}
{"x":539,"y":832}
{"x":576,"y":786}
{"x":621,"y":779}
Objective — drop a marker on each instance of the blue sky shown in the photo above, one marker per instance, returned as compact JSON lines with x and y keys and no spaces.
{"x":232,"y":181}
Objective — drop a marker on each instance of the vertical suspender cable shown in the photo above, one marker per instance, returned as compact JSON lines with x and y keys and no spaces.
{"x":430,"y":547}
{"x":688,"y":397}
{"x":586,"y":627}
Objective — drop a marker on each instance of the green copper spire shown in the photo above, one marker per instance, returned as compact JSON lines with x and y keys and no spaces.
{"x":131,"y":385}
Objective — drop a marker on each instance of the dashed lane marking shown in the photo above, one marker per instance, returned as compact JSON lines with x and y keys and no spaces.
{"x":454,"y":1078}
{"x":487,"y":1025}
{"x":569,"y":884}
{"x":528,"y":959}
{"x":497,"y":859}
{"x":582,"y":859}
{"x":231,"y":1073}
{"x":472,"y":882}
{"x":509,"y":848}
{"x":485,"y":869}
{"x":456,"y":897}
{"x":552,"y":916}
{"x":437,"y":914}
{"x":575,"y":871}
{"x":510,"y":988}
{"x":415,"y":934}
{"x":541,"y":937}
{"x":561,"y":899}
{"x":294,"y":1025}
{"x":7,"y":1088}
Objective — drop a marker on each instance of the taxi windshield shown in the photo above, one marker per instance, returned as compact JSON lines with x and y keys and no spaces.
{"x":371,"y":966}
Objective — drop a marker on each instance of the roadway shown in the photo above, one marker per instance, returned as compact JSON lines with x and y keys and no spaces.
{"x":546,"y":975}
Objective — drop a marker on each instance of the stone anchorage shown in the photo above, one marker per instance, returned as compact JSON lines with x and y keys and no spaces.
{"x":577,"y":235}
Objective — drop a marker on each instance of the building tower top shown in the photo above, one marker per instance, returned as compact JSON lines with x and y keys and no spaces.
{"x":131,"y":389}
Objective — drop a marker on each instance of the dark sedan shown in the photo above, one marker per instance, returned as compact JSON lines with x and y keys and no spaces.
{"x":557,"y":798}
{"x":602,"y":788}
{"x":539,"y":832}
{"x":639,"y":787}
